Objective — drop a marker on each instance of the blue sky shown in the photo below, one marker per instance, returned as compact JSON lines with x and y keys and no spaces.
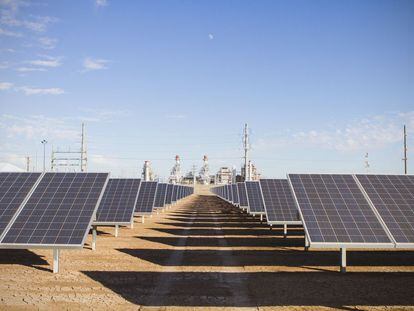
{"x":319,"y":82}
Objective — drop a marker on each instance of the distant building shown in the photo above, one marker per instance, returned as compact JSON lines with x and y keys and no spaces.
{"x":254,"y":173}
{"x":224,"y":175}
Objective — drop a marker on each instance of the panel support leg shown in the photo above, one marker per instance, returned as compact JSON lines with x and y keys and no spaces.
{"x":142,"y":219}
{"x":271,"y":228}
{"x":285,"y":230}
{"x":306,"y":243}
{"x":56,"y":252}
{"x":116,"y":230}
{"x":132,"y":224}
{"x":343,"y":260}
{"x":94,"y":229}
{"x":261,"y":218}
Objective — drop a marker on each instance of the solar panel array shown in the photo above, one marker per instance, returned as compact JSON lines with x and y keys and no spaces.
{"x":118,"y":202}
{"x":174,"y":197}
{"x":393,"y":199}
{"x":254,"y":197}
{"x":235,"y":194}
{"x":335,"y":211}
{"x":230,"y":193}
{"x":168,"y":195}
{"x":279,"y":202}
{"x":59,"y":211}
{"x":14,"y":189}
{"x":146,"y":197}
{"x":160,"y":195}
{"x":242,"y":194}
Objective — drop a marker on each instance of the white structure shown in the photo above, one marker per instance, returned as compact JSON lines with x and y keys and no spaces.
{"x":175,"y":175}
{"x":147,"y":174}
{"x":205,"y":172}
{"x":224,"y":175}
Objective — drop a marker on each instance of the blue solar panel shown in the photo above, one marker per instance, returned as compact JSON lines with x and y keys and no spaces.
{"x":14,"y":189}
{"x":118,"y":202}
{"x":254,"y":197}
{"x":160,"y":195}
{"x":335,"y":212}
{"x":146,"y":197}
{"x":242,"y":194}
{"x":59,"y":212}
{"x":168,"y":195}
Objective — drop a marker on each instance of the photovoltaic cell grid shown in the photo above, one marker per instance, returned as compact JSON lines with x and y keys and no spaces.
{"x":174,"y":193}
{"x":235,"y":193}
{"x":279,"y":202}
{"x":393,"y":198}
{"x":14,"y":188}
{"x":160,"y":195}
{"x":168,"y":195}
{"x":254,"y":197}
{"x":59,"y":211}
{"x":146,"y":197}
{"x":242,"y":195}
{"x":118,"y":202}
{"x":334,"y":210}
{"x":230,"y":192}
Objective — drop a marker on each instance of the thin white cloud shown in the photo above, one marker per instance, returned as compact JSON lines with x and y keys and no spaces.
{"x":29,"y":69}
{"x":5,"y":86}
{"x":46,"y":62}
{"x":101,"y":3}
{"x":101,"y":115}
{"x":47,"y":43}
{"x":210,"y":36}
{"x":8,"y":33}
{"x":4,"y":65}
{"x":369,"y":133}
{"x":41,"y":91}
{"x":35,"y":126}
{"x":90,"y":64}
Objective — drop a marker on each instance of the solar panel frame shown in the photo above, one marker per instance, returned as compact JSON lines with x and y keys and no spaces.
{"x":267,"y":201}
{"x":168,"y":194}
{"x":235,"y":194}
{"x":380,"y":201}
{"x":253,"y":197}
{"x":112,"y":223}
{"x":57,"y":245}
{"x":8,"y":214}
{"x":143,"y":185}
{"x":230,"y":191}
{"x":174,"y":193}
{"x":335,"y":244}
{"x":160,"y":197}
{"x":243,"y":202}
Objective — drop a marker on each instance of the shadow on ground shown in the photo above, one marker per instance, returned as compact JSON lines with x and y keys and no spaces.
{"x":259,"y":289}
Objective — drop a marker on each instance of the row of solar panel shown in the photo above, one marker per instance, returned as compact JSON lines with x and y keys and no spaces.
{"x":57,"y":209}
{"x":335,"y":210}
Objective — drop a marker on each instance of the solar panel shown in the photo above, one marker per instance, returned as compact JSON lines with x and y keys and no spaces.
{"x":118,"y":201}
{"x":174,"y":193}
{"x":59,"y":212}
{"x":242,"y":195}
{"x":235,"y":193}
{"x":146,"y":197}
{"x":230,"y":192}
{"x":393,"y":199}
{"x":254,"y":197}
{"x":226,"y":192}
{"x":160,"y":195}
{"x":279,"y":202}
{"x":14,"y":189}
{"x":335,"y":212}
{"x":168,"y":195}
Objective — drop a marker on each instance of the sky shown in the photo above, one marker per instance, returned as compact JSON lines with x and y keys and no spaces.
{"x":320,"y":83}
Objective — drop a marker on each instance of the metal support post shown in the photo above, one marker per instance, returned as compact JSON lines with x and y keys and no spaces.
{"x":56,"y":252}
{"x":285,"y":230}
{"x":306,"y":243}
{"x":343,"y":260}
{"x":94,"y":229}
{"x":116,"y":230}
{"x":142,"y":219}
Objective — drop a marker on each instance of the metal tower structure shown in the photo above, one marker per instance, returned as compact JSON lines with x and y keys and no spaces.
{"x":175,"y":174}
{"x":246,"y":146}
{"x":71,"y":160}
{"x":205,"y":172}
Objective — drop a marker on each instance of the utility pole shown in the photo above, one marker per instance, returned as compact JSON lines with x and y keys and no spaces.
{"x":28,"y":163}
{"x":366,"y":163}
{"x":405,"y":150}
{"x":246,"y":152}
{"x":44,"y":142}
{"x":83,"y":158}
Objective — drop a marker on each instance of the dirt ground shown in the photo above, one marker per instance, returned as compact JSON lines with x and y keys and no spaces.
{"x":203,"y":253}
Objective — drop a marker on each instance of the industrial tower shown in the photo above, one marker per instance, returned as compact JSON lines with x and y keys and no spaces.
{"x":175,"y":175}
{"x":205,"y":172}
